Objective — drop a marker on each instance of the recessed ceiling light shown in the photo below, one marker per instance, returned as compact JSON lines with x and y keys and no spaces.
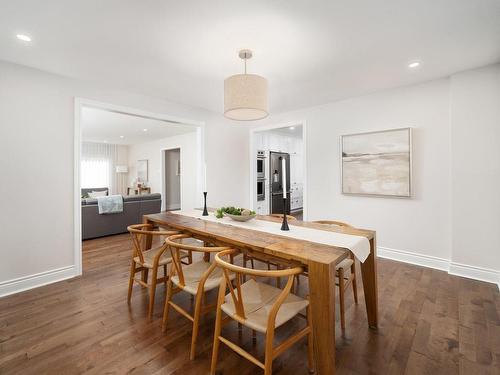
{"x":145,"y":130}
{"x":414,"y":65}
{"x":105,"y":141}
{"x":122,"y":136}
{"x":291,"y":127}
{"x":23,"y":37}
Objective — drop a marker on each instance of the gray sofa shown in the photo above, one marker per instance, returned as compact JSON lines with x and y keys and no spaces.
{"x":86,"y":191}
{"x":134,"y":207}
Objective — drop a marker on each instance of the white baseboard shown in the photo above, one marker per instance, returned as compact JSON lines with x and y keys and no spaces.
{"x":476,"y":273}
{"x":457,"y":269}
{"x":34,"y":281}
{"x":414,"y":258}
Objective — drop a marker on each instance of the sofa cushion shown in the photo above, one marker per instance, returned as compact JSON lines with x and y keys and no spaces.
{"x":89,"y":201}
{"x":142,"y":197}
{"x":85,"y":191}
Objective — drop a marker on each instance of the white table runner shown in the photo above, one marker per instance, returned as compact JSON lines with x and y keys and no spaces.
{"x":359,"y":245}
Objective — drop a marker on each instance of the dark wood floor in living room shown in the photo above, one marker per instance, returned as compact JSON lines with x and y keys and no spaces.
{"x":430,"y":323}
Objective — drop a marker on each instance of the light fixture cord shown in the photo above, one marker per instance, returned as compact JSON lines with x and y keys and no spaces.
{"x":245,"y":65}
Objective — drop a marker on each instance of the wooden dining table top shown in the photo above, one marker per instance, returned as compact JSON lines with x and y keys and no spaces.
{"x":295,"y":250}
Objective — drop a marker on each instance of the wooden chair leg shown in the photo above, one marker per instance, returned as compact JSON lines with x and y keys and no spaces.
{"x":196,"y":323}
{"x":165,"y":275}
{"x":218,"y":330}
{"x":310,"y":342}
{"x":268,"y":356}
{"x":152,"y":292}
{"x":145,"y":276}
{"x":131,"y":281}
{"x":166,"y":307}
{"x":341,"y":299}
{"x":354,"y":284}
{"x":244,"y":264}
{"x":278,"y":279}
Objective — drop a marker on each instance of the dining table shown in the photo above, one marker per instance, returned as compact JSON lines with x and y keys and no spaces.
{"x":319,"y":259}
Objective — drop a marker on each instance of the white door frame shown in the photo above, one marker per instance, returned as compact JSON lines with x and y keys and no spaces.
{"x":163,"y":184}
{"x":81,"y":103}
{"x":253,"y":158}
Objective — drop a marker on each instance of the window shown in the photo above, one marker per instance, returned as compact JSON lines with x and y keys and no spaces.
{"x":95,"y":173}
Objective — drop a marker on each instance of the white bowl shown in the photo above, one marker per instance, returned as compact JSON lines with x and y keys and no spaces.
{"x":240,"y":217}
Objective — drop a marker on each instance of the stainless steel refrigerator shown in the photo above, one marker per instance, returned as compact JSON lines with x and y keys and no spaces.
{"x":276,"y":182}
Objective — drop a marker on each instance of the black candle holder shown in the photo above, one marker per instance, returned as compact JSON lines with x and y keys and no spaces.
{"x":284,"y":224}
{"x":205,"y":211}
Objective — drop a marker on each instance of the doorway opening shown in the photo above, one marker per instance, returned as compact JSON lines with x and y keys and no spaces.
{"x":172,"y":179}
{"x":278,"y":169}
{"x":121,"y":163}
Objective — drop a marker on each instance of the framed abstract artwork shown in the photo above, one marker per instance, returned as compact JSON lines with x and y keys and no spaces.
{"x":142,"y":170}
{"x":377,"y":163}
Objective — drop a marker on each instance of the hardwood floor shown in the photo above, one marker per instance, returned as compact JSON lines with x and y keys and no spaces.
{"x":430,"y":323}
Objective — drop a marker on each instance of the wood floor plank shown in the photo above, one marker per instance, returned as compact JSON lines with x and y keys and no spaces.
{"x":430,"y":323}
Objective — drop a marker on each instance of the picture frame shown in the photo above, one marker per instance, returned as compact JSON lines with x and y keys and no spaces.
{"x":142,"y":170}
{"x":377,"y":163}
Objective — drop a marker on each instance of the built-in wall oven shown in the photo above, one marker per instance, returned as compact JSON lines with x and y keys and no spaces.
{"x":261,"y":189}
{"x":261,"y":164}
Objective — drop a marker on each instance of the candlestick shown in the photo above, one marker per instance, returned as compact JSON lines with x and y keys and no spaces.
{"x":284,"y":224}
{"x":283,"y":176}
{"x":205,"y":211}
{"x":205,"y":177}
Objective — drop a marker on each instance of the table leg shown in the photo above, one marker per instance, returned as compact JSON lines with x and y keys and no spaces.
{"x":206,"y":256}
{"x":369,"y":273}
{"x":322,"y":299}
{"x":148,"y":242}
{"x":148,"y":238}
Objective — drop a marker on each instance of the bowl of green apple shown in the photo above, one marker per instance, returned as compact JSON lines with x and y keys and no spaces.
{"x":235,"y":213}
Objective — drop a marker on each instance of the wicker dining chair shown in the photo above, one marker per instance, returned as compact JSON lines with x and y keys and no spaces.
{"x":345,"y":273}
{"x":247,"y":258}
{"x":196,"y":279}
{"x":144,"y":260}
{"x":280,"y":216}
{"x":260,"y":307}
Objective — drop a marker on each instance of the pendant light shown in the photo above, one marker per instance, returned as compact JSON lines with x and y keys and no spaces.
{"x":245,"y":95}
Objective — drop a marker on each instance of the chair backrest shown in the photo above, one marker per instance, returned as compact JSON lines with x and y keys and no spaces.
{"x":333,"y":222}
{"x":235,"y":292}
{"x":175,"y":244}
{"x":280,"y":216}
{"x":339,"y":224}
{"x":138,"y":232}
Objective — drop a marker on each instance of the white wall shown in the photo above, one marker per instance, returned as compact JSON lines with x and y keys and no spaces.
{"x":421,"y":224}
{"x":152,"y":151}
{"x":452,"y":222}
{"x":37,"y":130}
{"x":475,"y":108}
{"x":36,"y":156}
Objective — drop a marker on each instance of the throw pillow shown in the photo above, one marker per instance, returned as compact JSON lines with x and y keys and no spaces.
{"x":95,"y":194}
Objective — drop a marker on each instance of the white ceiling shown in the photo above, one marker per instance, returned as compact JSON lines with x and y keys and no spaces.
{"x":107,"y":127}
{"x":292,"y":131}
{"x":312,"y":52}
